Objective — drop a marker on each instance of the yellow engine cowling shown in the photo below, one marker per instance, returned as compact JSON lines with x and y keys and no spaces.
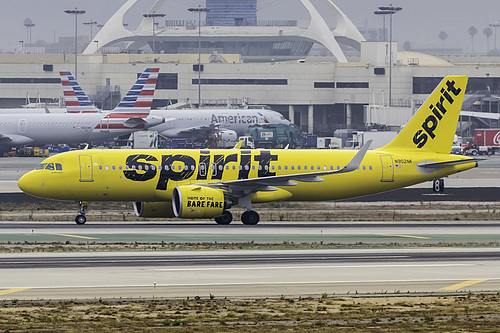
{"x":194,"y":201}
{"x":153,"y":209}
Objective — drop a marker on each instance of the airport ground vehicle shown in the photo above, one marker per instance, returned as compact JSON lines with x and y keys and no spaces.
{"x":275,"y":135}
{"x":486,"y":141}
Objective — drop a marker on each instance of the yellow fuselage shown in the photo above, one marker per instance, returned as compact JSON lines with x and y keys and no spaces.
{"x":151,"y":175}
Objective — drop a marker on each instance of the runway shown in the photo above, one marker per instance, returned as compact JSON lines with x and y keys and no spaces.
{"x":248,"y":273}
{"x":429,"y":232}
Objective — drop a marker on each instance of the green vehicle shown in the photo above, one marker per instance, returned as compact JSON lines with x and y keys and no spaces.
{"x":275,"y":135}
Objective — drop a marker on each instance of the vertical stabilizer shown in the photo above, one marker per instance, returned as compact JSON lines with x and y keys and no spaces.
{"x":434,"y":125}
{"x":134,"y":108}
{"x":76,"y":99}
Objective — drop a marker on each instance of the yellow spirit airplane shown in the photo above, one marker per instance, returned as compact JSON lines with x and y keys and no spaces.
{"x":195,"y":184}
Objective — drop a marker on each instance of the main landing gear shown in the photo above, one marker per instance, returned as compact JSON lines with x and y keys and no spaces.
{"x":250,"y":217}
{"x":81,"y":219}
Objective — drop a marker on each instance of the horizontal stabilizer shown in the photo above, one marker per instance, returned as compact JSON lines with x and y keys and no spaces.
{"x":429,"y":164}
{"x":134,"y":122}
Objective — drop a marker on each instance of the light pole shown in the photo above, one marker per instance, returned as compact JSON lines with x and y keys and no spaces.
{"x":199,"y":10}
{"x":75,"y":12}
{"x":495,"y":25}
{"x":153,"y":15}
{"x":390,"y":11}
{"x":90,"y":23}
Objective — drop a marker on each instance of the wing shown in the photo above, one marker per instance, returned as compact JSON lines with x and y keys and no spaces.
{"x":194,"y":131}
{"x":14,"y":139}
{"x":242,"y":187}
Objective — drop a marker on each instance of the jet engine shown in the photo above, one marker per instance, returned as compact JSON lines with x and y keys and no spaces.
{"x":153,"y":209}
{"x":226,"y":138}
{"x":194,"y":201}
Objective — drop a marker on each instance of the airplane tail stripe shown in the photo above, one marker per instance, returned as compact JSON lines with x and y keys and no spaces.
{"x":76,"y":99}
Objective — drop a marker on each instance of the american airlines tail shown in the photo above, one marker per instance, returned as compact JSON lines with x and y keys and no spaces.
{"x":76,"y":99}
{"x":134,"y":108}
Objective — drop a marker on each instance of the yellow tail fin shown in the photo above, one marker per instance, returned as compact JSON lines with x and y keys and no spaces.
{"x":434,"y":125}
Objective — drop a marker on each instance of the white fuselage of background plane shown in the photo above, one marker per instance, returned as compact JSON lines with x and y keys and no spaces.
{"x":55,"y":128}
{"x":178,"y":123}
{"x":72,"y":128}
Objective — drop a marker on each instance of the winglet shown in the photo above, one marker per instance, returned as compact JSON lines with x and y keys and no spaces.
{"x":238,"y":145}
{"x":357,"y":159}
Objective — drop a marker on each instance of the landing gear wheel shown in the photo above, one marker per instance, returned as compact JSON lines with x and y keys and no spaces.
{"x":250,"y":217}
{"x":225,"y":219}
{"x":80,"y":219}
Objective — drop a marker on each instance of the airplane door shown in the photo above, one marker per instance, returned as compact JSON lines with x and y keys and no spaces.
{"x":86,"y":171}
{"x":21,"y":126}
{"x":387,"y":168}
{"x":105,"y":124}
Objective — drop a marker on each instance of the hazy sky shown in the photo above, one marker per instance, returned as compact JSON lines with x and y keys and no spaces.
{"x":419,"y":22}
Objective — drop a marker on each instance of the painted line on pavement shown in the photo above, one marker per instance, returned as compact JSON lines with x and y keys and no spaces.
{"x":404,"y":236}
{"x":12,"y":290}
{"x":463,"y":284}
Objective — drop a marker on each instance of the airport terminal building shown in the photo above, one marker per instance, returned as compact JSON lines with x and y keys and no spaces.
{"x":262,"y":63}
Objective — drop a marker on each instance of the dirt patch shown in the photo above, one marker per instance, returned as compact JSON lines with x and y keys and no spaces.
{"x":468,"y":313}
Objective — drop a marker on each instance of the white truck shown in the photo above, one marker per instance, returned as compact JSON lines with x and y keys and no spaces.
{"x":379,"y":138}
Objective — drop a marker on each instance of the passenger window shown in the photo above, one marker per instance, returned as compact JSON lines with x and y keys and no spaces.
{"x":100,"y":167}
{"x":370,"y":167}
{"x":113,"y":167}
{"x":59,"y":166}
{"x":41,"y":166}
{"x":50,"y":166}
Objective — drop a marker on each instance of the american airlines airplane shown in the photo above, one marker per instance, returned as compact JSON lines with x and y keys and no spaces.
{"x":201,"y":123}
{"x":183,"y":123}
{"x":131,"y":114}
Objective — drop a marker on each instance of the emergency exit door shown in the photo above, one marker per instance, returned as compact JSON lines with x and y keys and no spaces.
{"x":387,"y":168}
{"x":86,"y":171}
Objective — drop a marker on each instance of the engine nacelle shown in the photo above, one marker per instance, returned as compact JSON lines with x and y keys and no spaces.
{"x":194,"y":201}
{"x":153,"y":209}
{"x":226,"y":138}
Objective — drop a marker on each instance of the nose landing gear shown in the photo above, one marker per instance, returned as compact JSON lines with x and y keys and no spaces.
{"x":81,"y":219}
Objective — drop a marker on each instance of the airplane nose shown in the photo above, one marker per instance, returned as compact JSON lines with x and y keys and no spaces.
{"x":26,"y":184}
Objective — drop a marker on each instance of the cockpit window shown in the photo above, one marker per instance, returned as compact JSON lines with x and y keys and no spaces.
{"x":50,"y":166}
{"x":41,"y":166}
{"x":59,"y":166}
